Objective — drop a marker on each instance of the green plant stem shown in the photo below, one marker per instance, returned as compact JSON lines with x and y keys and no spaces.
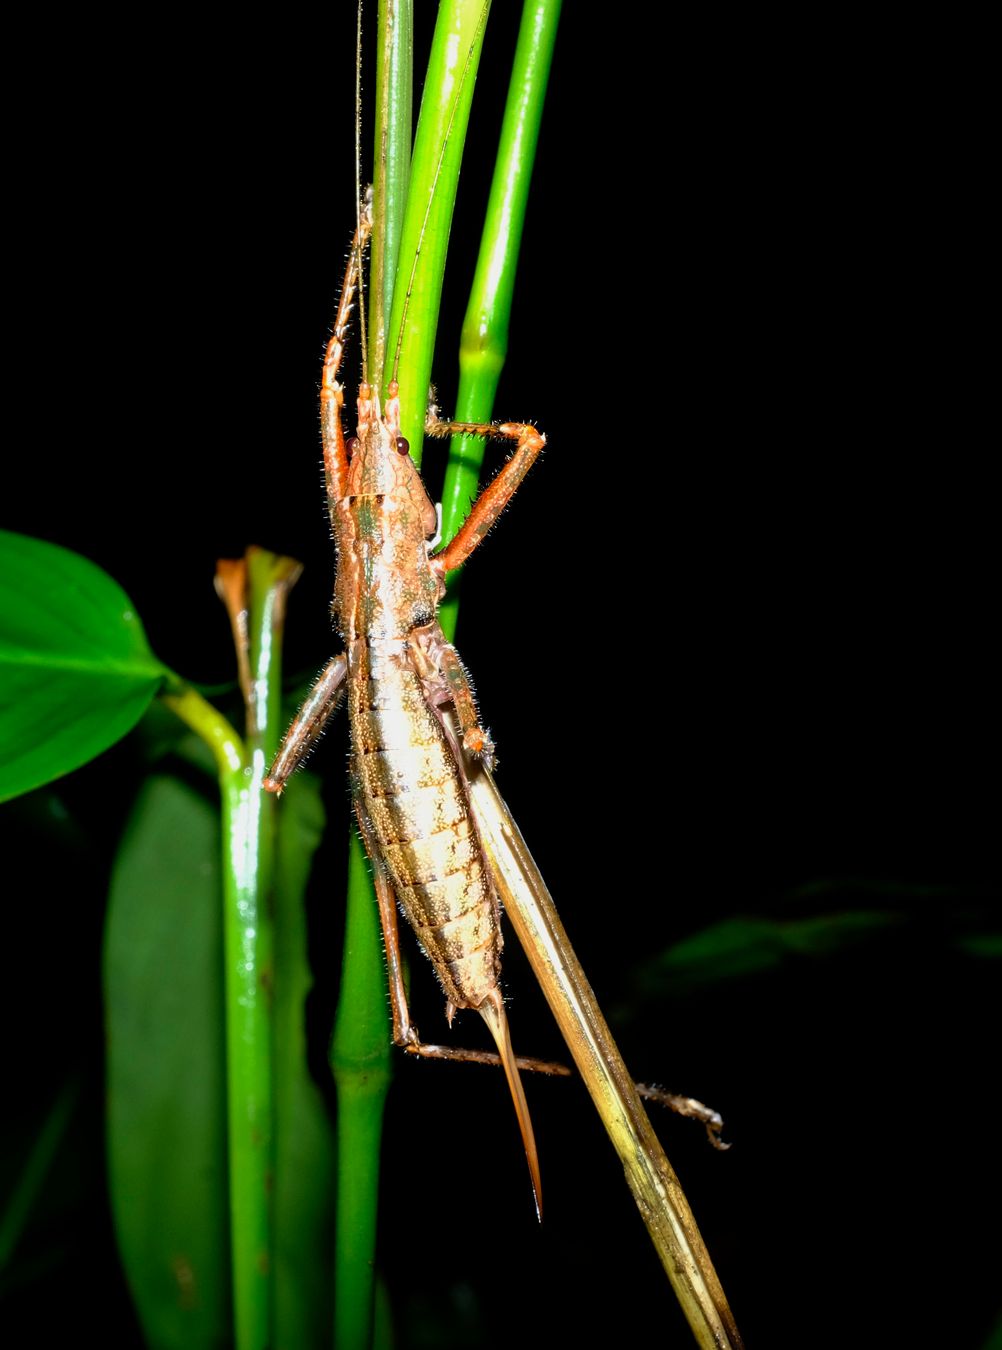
{"x":360,"y":1058}
{"x":484,"y":338}
{"x":431,"y":198}
{"x":360,"y":1047}
{"x":227,"y":748}
{"x":360,"y":1052}
{"x":305,"y":1159}
{"x":248,"y":827}
{"x":391,"y":165}
{"x":248,"y":1055}
{"x":247,"y":1029}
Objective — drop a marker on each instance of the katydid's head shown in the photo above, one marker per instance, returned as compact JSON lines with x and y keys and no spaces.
{"x":380,"y":464}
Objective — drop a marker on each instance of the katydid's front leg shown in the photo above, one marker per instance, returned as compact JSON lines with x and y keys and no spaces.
{"x":495,"y":497}
{"x":444,"y":667}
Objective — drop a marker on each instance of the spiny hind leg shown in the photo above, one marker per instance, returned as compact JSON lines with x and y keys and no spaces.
{"x":405,"y":1033}
{"x":688,"y":1107}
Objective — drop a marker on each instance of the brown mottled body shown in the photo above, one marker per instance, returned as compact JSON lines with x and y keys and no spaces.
{"x":411,"y":793}
{"x":401,"y":676}
{"x":409,"y":790}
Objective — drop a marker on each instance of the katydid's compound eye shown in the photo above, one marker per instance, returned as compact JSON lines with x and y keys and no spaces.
{"x":350,"y":446}
{"x":403,"y":445}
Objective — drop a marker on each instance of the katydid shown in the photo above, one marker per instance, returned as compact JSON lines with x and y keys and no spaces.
{"x":441,"y":841}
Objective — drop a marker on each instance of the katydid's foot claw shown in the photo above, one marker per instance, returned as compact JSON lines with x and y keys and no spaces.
{"x":478,"y":742}
{"x":688,"y":1106}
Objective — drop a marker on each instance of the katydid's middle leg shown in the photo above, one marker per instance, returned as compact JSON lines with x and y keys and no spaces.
{"x":309,"y":723}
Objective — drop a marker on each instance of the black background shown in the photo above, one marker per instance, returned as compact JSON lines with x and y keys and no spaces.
{"x":732,"y":637}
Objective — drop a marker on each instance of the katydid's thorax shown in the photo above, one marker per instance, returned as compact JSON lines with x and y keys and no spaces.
{"x":386,"y":585}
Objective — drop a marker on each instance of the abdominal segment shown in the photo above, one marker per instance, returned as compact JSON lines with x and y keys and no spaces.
{"x":414,"y":796}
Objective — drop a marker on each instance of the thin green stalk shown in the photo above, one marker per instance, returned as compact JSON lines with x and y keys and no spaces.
{"x":360,"y":1055}
{"x":248,"y":1050}
{"x":360,"y":1051}
{"x":247,"y":831}
{"x":248,"y":1056}
{"x":431,"y":198}
{"x":208,"y":723}
{"x":391,"y":166}
{"x":484,"y":340}
{"x":360,"y":1047}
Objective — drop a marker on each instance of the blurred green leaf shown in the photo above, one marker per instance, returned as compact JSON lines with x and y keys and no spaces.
{"x":76,"y":671}
{"x":750,"y":946}
{"x":166,"y":1092}
{"x":305,"y":1155}
{"x":985,"y":945}
{"x":34,"y":1170}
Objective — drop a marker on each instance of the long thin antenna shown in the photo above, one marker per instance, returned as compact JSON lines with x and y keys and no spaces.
{"x":434,"y":182}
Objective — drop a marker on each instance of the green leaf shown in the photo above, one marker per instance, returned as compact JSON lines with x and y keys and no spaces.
{"x":994,"y":1341}
{"x":76,"y":671}
{"x":987,"y":946}
{"x":750,"y":946}
{"x":305,"y":1155}
{"x":163,"y":966}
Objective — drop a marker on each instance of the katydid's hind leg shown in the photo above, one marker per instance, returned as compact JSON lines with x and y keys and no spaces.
{"x":308,"y":724}
{"x":495,"y":497}
{"x":405,"y":1033}
{"x":690,"y":1108}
